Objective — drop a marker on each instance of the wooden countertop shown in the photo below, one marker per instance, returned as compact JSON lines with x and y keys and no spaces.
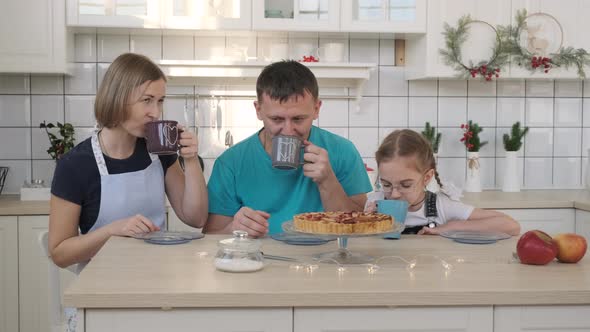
{"x":129,"y":273}
{"x":527,"y":199}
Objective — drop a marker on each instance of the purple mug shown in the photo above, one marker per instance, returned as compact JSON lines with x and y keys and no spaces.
{"x":162,"y":137}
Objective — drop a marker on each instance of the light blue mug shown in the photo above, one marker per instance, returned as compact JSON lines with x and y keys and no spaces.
{"x":398,"y":209}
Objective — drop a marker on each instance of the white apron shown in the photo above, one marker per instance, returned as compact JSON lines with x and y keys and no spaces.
{"x":127,"y":194}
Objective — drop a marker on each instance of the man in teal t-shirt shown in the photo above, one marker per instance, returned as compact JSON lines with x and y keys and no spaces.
{"x":247,"y":193}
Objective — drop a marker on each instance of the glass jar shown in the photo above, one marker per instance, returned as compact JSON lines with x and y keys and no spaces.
{"x":239,"y":254}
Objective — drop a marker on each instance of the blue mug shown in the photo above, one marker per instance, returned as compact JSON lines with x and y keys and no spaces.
{"x":398,"y":209}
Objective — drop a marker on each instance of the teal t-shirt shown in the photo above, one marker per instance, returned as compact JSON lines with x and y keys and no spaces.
{"x":243,"y":176}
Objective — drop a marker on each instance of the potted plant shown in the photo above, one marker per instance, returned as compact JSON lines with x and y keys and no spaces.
{"x":59,"y":146}
{"x":473,"y":143}
{"x":432,"y":136}
{"x":512,"y":144}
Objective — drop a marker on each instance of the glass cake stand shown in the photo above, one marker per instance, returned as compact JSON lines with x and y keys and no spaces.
{"x":343,"y":255}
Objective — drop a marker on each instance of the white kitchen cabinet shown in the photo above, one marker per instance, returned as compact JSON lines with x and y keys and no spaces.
{"x":33,"y":275}
{"x":422,"y":51}
{"x":459,"y":319}
{"x":385,"y":16}
{"x":33,"y":38}
{"x":8,"y":274}
{"x":177,"y":319}
{"x":207,"y":14}
{"x":583,"y":223}
{"x":551,"y":221}
{"x":114,"y":13}
{"x":296,"y":15}
{"x":541,"y":318}
{"x":544,"y":34}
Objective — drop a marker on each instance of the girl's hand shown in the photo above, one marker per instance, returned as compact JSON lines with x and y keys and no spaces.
{"x":430,"y":231}
{"x":188,"y":142}
{"x":132,"y":226}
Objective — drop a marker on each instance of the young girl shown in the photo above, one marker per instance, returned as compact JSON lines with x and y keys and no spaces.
{"x":406,"y":165}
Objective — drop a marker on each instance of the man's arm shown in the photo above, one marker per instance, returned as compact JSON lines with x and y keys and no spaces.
{"x":254,"y":222}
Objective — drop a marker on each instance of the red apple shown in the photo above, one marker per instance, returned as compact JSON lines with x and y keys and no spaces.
{"x":570,"y":247}
{"x":536,"y":247}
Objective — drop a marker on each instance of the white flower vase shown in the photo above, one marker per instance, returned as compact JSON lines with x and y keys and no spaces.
{"x":473,"y":179}
{"x":511,"y":181}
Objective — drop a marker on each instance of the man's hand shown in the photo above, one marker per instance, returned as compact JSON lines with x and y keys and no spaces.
{"x":317,"y":164}
{"x":254,"y":222}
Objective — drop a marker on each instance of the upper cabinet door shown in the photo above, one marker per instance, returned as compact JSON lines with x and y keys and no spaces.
{"x":383,"y":16}
{"x":208,"y":14}
{"x":296,"y":15}
{"x":33,"y":37}
{"x":552,"y":24}
{"x":114,"y":13}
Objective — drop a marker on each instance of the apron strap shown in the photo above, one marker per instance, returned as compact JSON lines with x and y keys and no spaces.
{"x":98,"y":156}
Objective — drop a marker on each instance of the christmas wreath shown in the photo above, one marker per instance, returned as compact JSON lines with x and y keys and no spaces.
{"x":564,"y":57}
{"x":451,"y":54}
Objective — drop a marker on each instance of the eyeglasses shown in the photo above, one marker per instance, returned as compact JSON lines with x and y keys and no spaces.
{"x":388,"y":188}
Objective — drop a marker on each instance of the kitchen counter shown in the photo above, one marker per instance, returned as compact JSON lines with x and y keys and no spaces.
{"x":527,"y":199}
{"x":129,"y":273}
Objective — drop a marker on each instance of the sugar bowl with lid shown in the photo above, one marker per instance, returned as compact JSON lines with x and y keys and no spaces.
{"x":239,"y":254}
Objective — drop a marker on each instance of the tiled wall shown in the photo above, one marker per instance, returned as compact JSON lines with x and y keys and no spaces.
{"x":558,"y":112}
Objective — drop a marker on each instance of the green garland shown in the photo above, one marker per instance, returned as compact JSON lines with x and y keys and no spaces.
{"x":565,"y":56}
{"x":454,"y":39}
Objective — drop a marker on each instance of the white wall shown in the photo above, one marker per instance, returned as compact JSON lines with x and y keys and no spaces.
{"x":558,"y":112}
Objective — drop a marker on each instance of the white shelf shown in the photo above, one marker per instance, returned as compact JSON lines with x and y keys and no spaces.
{"x":207,"y":73}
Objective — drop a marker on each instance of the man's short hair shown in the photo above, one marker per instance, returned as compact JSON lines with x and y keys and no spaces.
{"x":284,"y":79}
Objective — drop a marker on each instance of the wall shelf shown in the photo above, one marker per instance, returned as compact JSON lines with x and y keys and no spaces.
{"x":208,"y":73}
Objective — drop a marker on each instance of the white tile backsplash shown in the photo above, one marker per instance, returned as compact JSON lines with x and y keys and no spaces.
{"x":482,"y":111}
{"x":47,"y":108}
{"x":452,"y":88}
{"x":365,"y":116}
{"x":82,"y":81}
{"x":85,"y":48}
{"x":568,"y":112}
{"x":150,"y":46}
{"x":47,"y":84}
{"x":481,"y":88}
{"x":15,"y":110}
{"x":422,"y":110}
{"x":567,"y":172}
{"x":567,"y":142}
{"x":111,"y":46}
{"x":554,"y":154}
{"x":511,"y":88}
{"x":423,"y":88}
{"x":539,"y":88}
{"x":452,"y":111}
{"x":510,"y":111}
{"x":536,"y":172}
{"x":334,"y":113}
{"x":15,"y":84}
{"x":539,"y":112}
{"x":79,"y":111}
{"x":393,"y":111}
{"x":567,"y":88}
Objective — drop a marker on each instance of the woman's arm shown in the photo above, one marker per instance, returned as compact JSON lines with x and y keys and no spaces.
{"x":187,"y":192}
{"x":479,"y":220}
{"x":67,"y":247}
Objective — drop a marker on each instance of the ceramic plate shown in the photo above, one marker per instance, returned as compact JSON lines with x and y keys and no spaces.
{"x":298,"y":239}
{"x":474,"y":237}
{"x":163,"y":237}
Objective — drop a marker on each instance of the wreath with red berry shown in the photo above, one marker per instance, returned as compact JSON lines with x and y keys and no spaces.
{"x":451,"y":54}
{"x":564,"y":57}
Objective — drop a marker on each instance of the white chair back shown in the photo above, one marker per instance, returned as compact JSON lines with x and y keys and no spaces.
{"x":55,"y":307}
